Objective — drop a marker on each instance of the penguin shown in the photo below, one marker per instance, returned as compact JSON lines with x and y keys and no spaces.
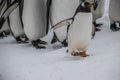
{"x":114,"y":15}
{"x":80,"y":30}
{"x":34,"y":21}
{"x":5,"y":30}
{"x":16,"y":25}
{"x":61,"y":10}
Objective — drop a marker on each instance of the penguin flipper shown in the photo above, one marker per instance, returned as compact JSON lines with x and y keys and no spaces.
{"x":64,"y":22}
{"x":7,"y":12}
{"x":2,"y":4}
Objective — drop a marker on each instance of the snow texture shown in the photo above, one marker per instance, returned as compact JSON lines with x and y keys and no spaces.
{"x":23,"y":62}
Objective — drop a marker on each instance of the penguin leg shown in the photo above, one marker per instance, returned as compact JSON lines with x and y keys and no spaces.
{"x":37,"y":46}
{"x":114,"y":27}
{"x":83,"y":54}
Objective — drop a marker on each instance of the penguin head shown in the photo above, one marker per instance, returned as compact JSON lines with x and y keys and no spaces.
{"x":84,"y":6}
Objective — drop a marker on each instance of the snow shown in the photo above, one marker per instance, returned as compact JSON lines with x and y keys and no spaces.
{"x":23,"y":62}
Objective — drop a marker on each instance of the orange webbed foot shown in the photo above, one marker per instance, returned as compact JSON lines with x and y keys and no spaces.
{"x":83,"y":54}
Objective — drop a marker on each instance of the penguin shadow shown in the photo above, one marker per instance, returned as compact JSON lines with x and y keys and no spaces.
{"x":10,"y":42}
{"x":1,"y":78}
{"x":56,"y":46}
{"x":15,"y":42}
{"x":70,"y":58}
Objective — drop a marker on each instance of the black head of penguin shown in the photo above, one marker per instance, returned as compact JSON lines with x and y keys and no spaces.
{"x":84,"y":7}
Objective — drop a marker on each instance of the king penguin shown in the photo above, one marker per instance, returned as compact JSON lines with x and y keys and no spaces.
{"x":34,"y":21}
{"x":16,"y":25}
{"x":114,"y":15}
{"x":60,"y":11}
{"x":80,"y":30}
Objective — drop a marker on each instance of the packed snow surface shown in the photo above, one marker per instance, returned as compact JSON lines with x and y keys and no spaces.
{"x":23,"y":62}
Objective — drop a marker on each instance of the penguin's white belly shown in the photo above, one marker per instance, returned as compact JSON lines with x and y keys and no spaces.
{"x":79,"y":34}
{"x":15,"y":23}
{"x":114,"y":10}
{"x":62,"y":9}
{"x":61,"y":33}
{"x":34,"y":18}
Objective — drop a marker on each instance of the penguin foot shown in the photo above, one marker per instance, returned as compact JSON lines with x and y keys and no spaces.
{"x":75,"y":53}
{"x":114,"y":27}
{"x":97,"y":29}
{"x":41,"y":42}
{"x":97,"y":24}
{"x":82,"y":54}
{"x":37,"y":46}
{"x":24,"y":38}
{"x":4,"y":34}
{"x":64,"y":43}
{"x":1,"y":35}
{"x":21,"y":40}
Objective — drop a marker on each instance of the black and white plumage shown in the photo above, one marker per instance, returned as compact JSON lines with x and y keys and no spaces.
{"x":7,"y":12}
{"x":34,"y":21}
{"x":61,"y":10}
{"x":16,"y":25}
{"x":5,"y":30}
{"x":80,"y":30}
{"x":114,"y":15}
{"x":98,"y":11}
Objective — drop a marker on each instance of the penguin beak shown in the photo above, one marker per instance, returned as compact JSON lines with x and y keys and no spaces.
{"x":89,"y":6}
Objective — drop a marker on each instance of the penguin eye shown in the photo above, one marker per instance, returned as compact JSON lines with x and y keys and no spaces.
{"x":83,"y":4}
{"x":86,"y":4}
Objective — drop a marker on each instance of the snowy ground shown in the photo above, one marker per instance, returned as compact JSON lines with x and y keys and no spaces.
{"x":23,"y":62}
